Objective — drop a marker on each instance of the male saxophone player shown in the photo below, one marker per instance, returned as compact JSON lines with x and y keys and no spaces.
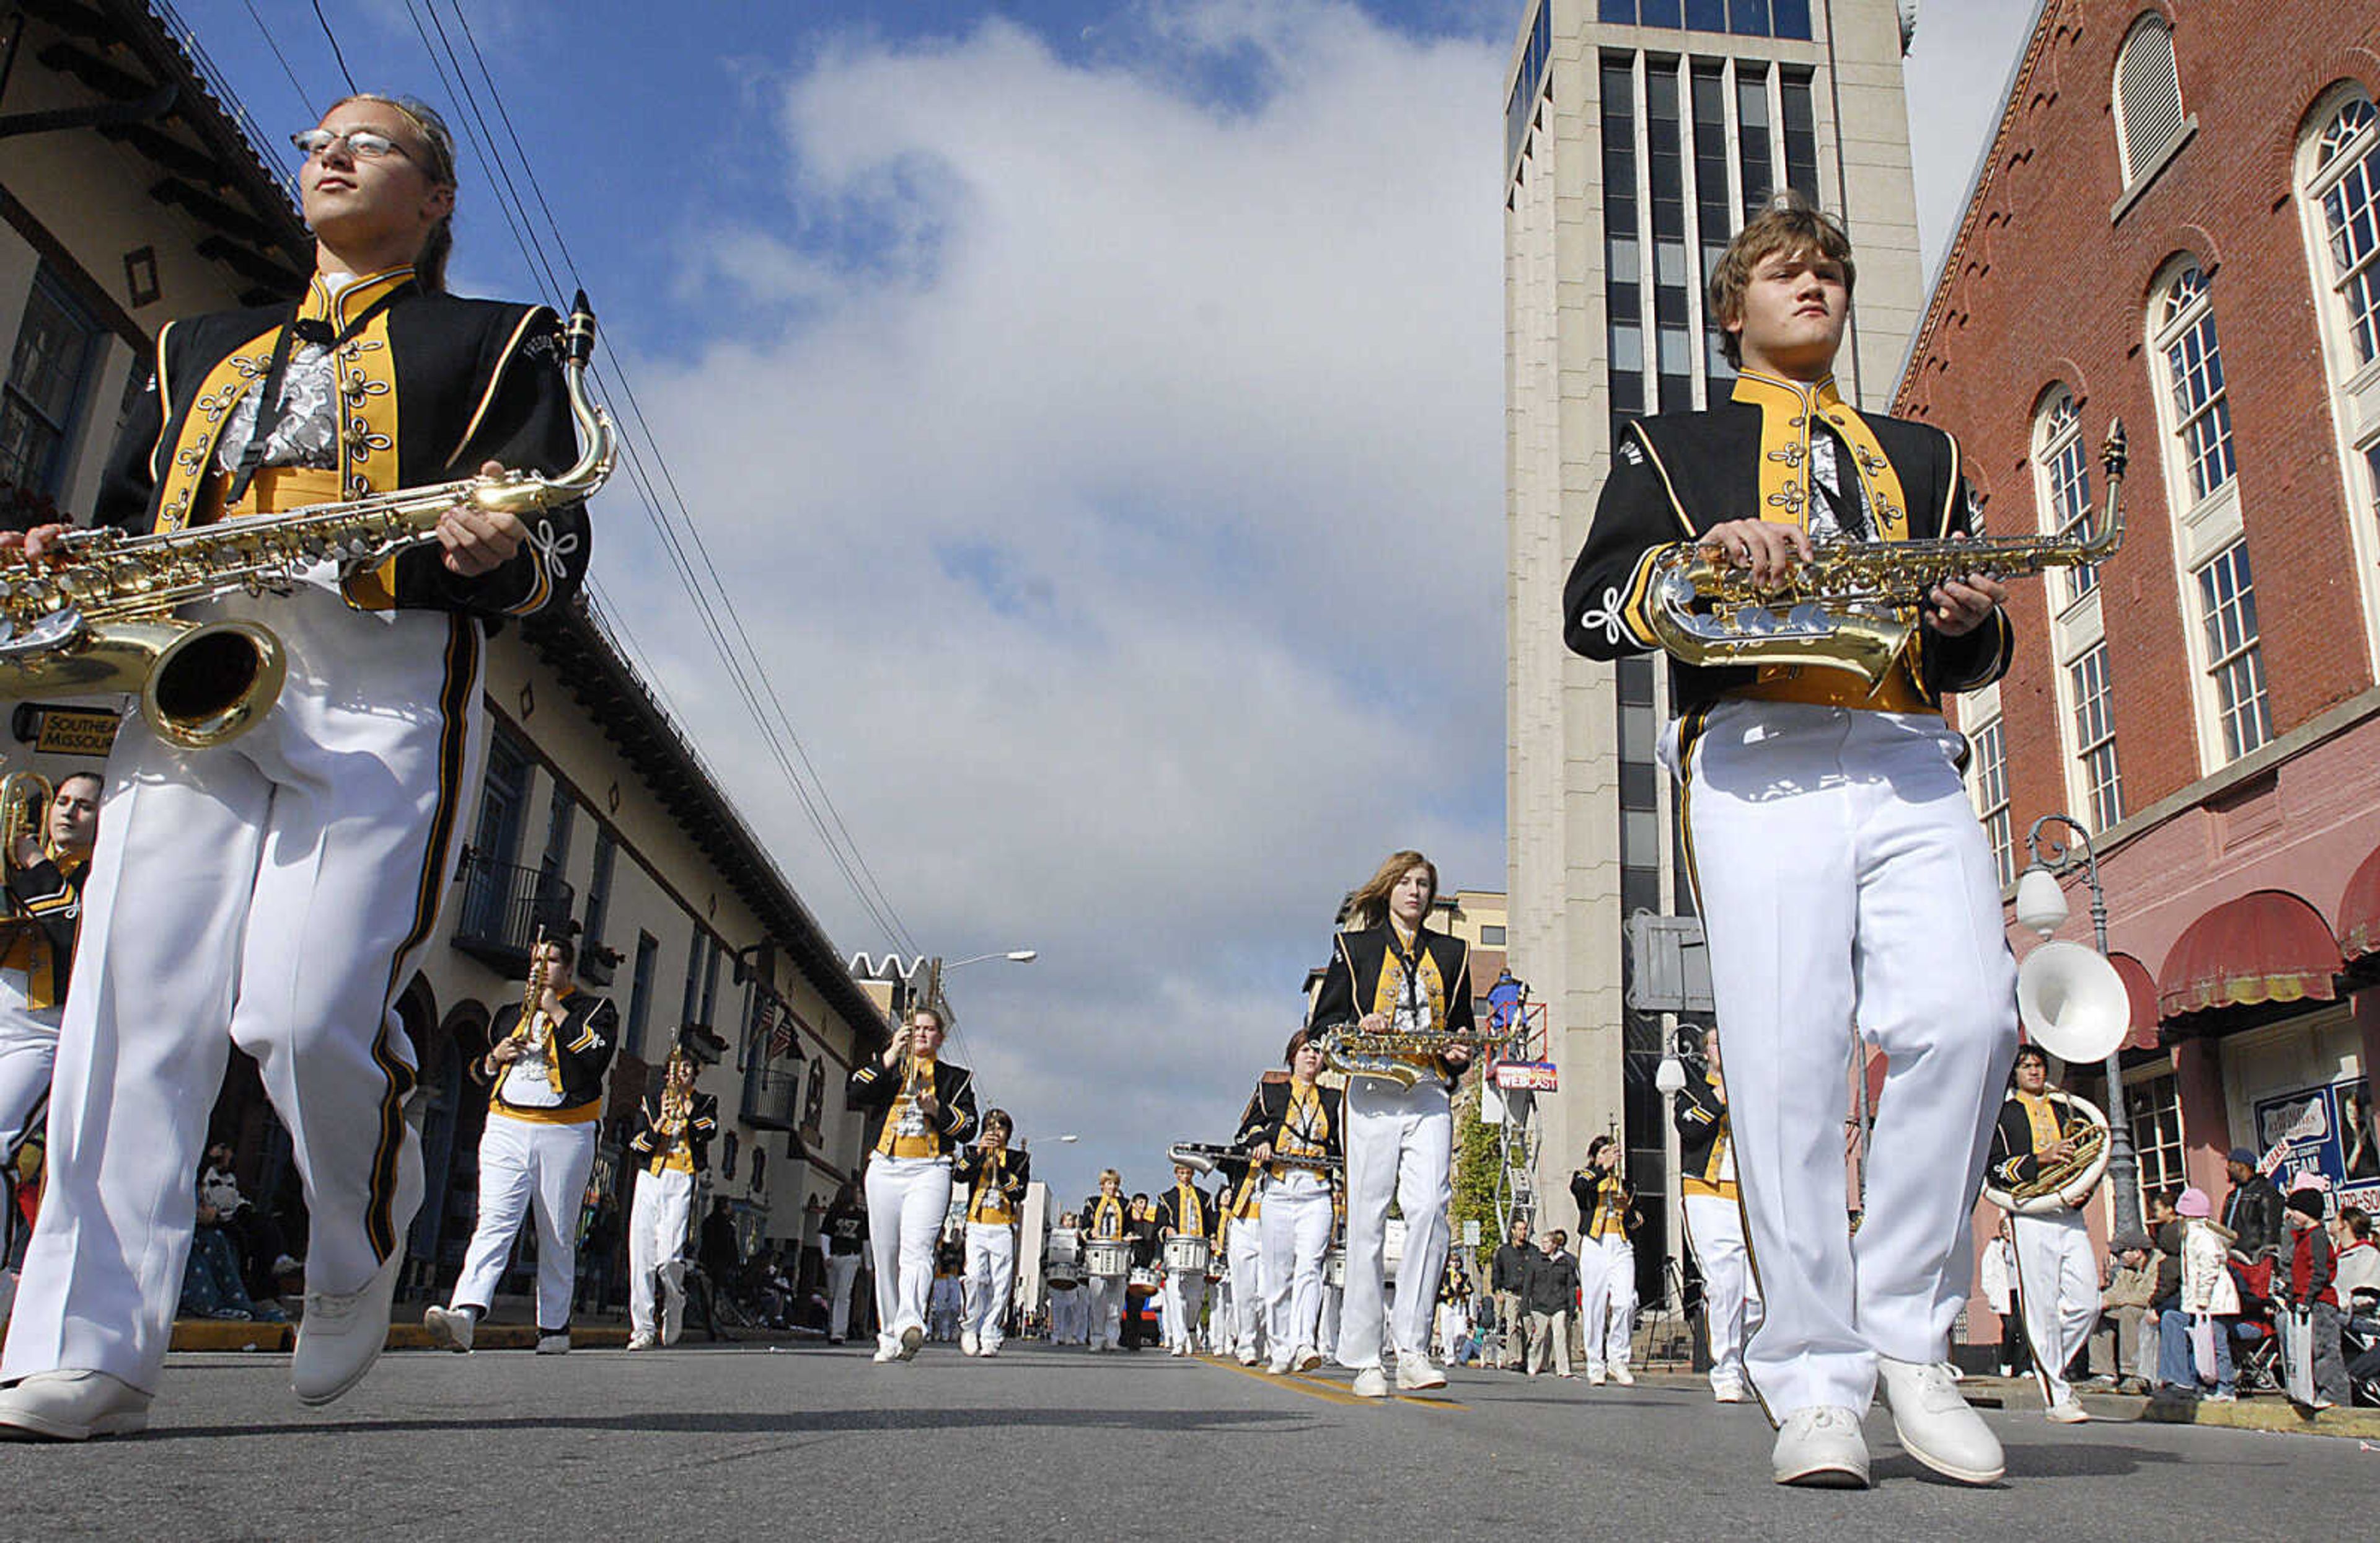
{"x":1839,"y":866}
{"x":2057,"y":1266}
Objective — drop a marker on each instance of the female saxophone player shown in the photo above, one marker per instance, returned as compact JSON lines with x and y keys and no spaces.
{"x":276,"y":892}
{"x":1295,"y":1133}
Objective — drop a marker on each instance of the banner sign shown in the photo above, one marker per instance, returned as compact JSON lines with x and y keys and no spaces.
{"x":69,"y":732}
{"x":2329,"y":1131}
{"x":1526,"y":1076}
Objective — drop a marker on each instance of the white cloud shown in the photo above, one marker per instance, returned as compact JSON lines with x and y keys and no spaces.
{"x":1111,"y":476}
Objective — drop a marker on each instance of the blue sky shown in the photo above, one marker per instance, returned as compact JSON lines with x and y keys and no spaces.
{"x":1096,"y":411}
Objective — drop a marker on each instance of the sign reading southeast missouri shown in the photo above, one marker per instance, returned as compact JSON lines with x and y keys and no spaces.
{"x":1527,"y":1076}
{"x":71,"y":731}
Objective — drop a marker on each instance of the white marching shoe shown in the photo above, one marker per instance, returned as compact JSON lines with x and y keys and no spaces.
{"x":1414,"y":1373}
{"x":912,"y":1339}
{"x":71,"y":1406}
{"x":1934,"y":1425}
{"x":1371,"y":1382}
{"x":1729,"y":1392}
{"x":1821,"y":1447}
{"x":450,"y":1328}
{"x":1623,"y":1376}
{"x":553,"y":1341}
{"x":2067,"y":1410}
{"x":887,"y":1352}
{"x":1247,"y":1355}
{"x":341,"y":1335}
{"x":966,"y":1341}
{"x":642,"y":1339}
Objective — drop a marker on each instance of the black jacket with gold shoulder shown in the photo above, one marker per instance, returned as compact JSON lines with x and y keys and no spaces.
{"x":45,"y":913}
{"x":430,"y":387}
{"x":878,"y":1090}
{"x":994,"y":1182}
{"x":654,"y":1150}
{"x":1185,"y":1208}
{"x":1675,"y":475}
{"x":580,"y":1053}
{"x":1365,"y":976}
{"x":1705,"y":1140}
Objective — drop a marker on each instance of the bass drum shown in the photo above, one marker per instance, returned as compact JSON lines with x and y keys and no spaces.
{"x":2072,"y":1189}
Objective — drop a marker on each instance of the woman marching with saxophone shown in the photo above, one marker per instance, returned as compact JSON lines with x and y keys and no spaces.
{"x":1294,"y":1137}
{"x":275,"y":892}
{"x":1389,"y":974}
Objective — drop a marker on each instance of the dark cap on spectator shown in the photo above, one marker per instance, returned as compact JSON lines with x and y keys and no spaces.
{"x":2132,"y":1237}
{"x":2243,"y":1157}
{"x":2309,"y":1201}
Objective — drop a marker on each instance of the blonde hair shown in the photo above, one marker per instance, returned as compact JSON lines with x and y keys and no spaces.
{"x":429,"y":267}
{"x":1368,"y":907}
{"x":1790,"y":224}
{"x":1107,"y":1173}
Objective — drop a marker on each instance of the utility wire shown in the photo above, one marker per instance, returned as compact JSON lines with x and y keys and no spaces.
{"x":274,"y":44}
{"x":743,"y":663}
{"x":345,"y":73}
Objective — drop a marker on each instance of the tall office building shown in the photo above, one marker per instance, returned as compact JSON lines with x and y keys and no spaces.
{"x":1639,"y":135}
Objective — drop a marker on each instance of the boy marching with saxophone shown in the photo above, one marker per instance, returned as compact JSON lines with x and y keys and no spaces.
{"x":1839,"y":866}
{"x":673,"y":1151}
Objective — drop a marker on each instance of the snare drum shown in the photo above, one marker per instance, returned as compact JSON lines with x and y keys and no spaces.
{"x":1334,"y":1269}
{"x":1062,"y":1259}
{"x":1107,"y":1257}
{"x":1144,"y":1283}
{"x":1186,"y":1253}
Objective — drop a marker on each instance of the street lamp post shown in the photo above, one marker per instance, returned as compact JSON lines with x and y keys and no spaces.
{"x":2041,"y":905}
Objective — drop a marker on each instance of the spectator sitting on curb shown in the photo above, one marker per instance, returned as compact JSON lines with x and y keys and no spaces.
{"x":2126,"y":1322}
{"x":2358,"y":1261}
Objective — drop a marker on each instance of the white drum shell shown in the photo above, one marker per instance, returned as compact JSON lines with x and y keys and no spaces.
{"x":1109,"y":1258}
{"x":1187,"y":1253}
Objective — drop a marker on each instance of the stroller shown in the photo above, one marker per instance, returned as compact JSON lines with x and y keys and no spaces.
{"x":2359,"y":1346}
{"x":2255,"y":1337}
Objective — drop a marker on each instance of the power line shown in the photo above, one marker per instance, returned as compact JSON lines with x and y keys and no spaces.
{"x":345,"y":73}
{"x":694,"y":566}
{"x":274,"y":44}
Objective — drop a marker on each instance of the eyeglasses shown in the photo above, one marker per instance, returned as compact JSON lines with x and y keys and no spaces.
{"x":364,"y":144}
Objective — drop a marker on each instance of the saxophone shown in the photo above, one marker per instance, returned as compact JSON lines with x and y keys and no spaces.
{"x":1852,"y":606}
{"x":100,"y":618}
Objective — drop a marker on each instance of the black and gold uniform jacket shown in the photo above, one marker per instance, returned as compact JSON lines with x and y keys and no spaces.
{"x":428,"y":388}
{"x":1311,"y":1127}
{"x":690,"y":1153}
{"x":1185,"y":1208}
{"x":1606,"y":1209}
{"x":2028,"y":1123}
{"x":1368,"y":973}
{"x":38,"y":935}
{"x":995,"y":1183}
{"x":1238,"y":1200}
{"x":1705,"y":1141}
{"x":1103,"y":1218}
{"x":890,"y":1130}
{"x":579,"y":1052}
{"x":1675,"y":475}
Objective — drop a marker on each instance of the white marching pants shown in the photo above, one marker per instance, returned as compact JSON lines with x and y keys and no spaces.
{"x":657,"y":1219}
{"x":1069,"y":1316}
{"x":1246,"y":1243}
{"x":1399,"y":1144}
{"x":906,"y":1200}
{"x":990,"y":1279}
{"x":1606,"y":1294}
{"x":1333,"y":1303}
{"x":1715,"y":1229}
{"x":2058,"y":1276}
{"x":29,"y":1047}
{"x":1296,"y":1228}
{"x":1184,"y":1295}
{"x":525,"y":1167}
{"x":276,"y":893}
{"x":842,"y":1271}
{"x":1107,"y":1294}
{"x":1847,"y":888}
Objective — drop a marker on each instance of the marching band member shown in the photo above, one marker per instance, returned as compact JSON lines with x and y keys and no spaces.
{"x":1389,"y":972}
{"x":920,"y":1110}
{"x":1184,"y":1208}
{"x":1334,"y":1294}
{"x":1295,"y":1120}
{"x":545,"y":1106}
{"x":1837,"y":858}
{"x":672,"y":1148}
{"x":1715,"y":1221}
{"x":1606,"y":1262}
{"x":1241,"y":1204}
{"x":2057,"y":1268}
{"x":258,"y":892}
{"x":37,"y":948}
{"x":1070,"y":1308}
{"x":995,"y":1180}
{"x":1106,"y":1219}
{"x":847,"y":1244}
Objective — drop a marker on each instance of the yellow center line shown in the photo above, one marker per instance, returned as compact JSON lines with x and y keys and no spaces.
{"x":1314,"y":1387}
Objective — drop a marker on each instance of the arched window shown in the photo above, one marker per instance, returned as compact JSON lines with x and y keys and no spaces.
{"x":2147,"y":99}
{"x":2338,"y":165}
{"x":2345,"y":166}
{"x":2218,"y":584}
{"x":2062,"y":474}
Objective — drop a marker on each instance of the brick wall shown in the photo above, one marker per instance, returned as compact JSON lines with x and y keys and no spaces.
{"x":2043,"y":287}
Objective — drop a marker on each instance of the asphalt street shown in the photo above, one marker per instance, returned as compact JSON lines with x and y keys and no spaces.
{"x":818,"y":1443}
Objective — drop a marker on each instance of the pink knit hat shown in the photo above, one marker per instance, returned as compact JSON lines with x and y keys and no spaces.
{"x":2194,"y":1202}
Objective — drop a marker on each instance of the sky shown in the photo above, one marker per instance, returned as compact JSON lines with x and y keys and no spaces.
{"x":1095,"y":415}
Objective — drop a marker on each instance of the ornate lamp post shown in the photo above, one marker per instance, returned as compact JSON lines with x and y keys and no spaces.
{"x":2041,"y":905}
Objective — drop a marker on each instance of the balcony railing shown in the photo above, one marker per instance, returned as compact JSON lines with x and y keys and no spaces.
{"x":772,"y":1092}
{"x":504,"y":906}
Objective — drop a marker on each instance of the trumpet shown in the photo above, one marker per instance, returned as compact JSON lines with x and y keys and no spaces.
{"x":101,"y":617}
{"x":532,"y":1032}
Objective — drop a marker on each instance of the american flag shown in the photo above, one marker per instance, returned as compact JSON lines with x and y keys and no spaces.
{"x":779,"y":1021}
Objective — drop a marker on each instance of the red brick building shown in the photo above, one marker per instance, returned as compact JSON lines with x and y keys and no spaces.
{"x":2175,"y":224}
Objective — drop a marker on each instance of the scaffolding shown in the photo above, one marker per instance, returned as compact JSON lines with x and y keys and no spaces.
{"x":1518,"y":1130}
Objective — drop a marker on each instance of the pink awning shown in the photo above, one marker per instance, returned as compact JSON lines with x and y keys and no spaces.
{"x":2266,"y":947}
